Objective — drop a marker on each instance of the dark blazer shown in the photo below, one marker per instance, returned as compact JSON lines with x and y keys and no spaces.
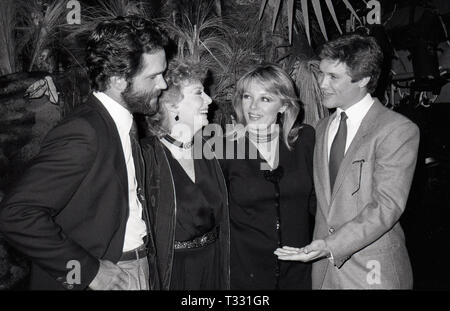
{"x":72,"y":202}
{"x":162,"y":207}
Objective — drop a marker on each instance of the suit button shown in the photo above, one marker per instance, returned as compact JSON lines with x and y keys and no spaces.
{"x":331,"y":230}
{"x":67,"y":285}
{"x":153,"y":200}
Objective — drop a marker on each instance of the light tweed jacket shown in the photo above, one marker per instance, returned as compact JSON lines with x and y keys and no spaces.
{"x":359,"y":220}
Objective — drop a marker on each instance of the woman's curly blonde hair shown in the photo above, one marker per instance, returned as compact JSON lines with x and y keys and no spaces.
{"x":180,"y":73}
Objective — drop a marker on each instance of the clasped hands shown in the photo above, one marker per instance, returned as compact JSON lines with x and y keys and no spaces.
{"x":317,"y":249}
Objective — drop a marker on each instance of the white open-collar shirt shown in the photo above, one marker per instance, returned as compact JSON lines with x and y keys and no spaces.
{"x":135,"y":228}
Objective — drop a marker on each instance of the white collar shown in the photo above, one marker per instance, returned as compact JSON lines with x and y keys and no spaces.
{"x":356,"y":112}
{"x":121,"y":116}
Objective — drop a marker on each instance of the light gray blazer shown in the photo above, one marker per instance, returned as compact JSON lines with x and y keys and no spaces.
{"x":359,"y":220}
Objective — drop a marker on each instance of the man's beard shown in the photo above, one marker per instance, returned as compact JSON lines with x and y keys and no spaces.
{"x":141,"y":102}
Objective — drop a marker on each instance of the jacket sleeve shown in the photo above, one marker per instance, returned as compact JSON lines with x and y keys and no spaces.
{"x":395,"y":160}
{"x":53,"y":177}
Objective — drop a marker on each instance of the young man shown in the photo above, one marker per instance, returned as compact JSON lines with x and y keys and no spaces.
{"x":78,"y":212}
{"x":364,"y":163}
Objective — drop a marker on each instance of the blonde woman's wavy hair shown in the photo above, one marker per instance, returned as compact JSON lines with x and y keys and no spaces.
{"x":278,"y":83}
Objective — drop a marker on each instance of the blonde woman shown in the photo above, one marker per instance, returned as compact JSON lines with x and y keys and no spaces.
{"x":271,"y":196}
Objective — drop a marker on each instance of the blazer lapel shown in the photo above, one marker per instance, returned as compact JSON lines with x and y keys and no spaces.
{"x":364,"y":129}
{"x":120,"y":165}
{"x":322,"y":162}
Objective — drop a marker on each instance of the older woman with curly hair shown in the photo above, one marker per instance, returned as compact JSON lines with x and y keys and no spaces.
{"x":187,"y":194}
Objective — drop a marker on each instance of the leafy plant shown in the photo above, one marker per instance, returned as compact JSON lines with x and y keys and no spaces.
{"x":197,"y":33}
{"x":305,"y":76}
{"x":75,"y":35}
{"x":8,"y":11}
{"x":114,"y":8}
{"x":200,"y":35}
{"x":41,"y":26}
{"x":14,"y":15}
{"x":291,"y":14}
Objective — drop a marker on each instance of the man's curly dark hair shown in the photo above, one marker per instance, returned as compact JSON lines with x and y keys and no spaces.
{"x":116,"y":46}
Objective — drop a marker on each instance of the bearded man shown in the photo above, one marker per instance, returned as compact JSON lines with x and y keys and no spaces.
{"x":78,"y":212}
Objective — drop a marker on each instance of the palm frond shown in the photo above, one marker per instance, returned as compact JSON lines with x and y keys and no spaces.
{"x":43,"y":27}
{"x":94,"y":14}
{"x":8,"y":11}
{"x":243,"y":49}
{"x":305,"y":77}
{"x":115,"y":8}
{"x":197,"y":34}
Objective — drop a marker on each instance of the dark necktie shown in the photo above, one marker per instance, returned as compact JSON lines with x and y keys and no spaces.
{"x":138,"y":168}
{"x":337,"y":150}
{"x":137,"y":155}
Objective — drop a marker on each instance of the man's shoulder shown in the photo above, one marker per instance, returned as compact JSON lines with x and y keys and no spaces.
{"x":85,"y":125}
{"x":384,"y":122}
{"x":390,"y":118}
{"x":322,"y":124}
{"x":87,"y":118}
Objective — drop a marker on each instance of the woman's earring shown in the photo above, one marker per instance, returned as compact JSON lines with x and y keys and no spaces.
{"x":280,"y":116}
{"x":177,"y":118}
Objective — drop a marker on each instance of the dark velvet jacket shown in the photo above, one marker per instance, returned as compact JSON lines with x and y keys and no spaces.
{"x":161,"y":196}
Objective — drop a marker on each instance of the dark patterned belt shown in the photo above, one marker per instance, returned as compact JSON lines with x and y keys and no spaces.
{"x":200,"y":241}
